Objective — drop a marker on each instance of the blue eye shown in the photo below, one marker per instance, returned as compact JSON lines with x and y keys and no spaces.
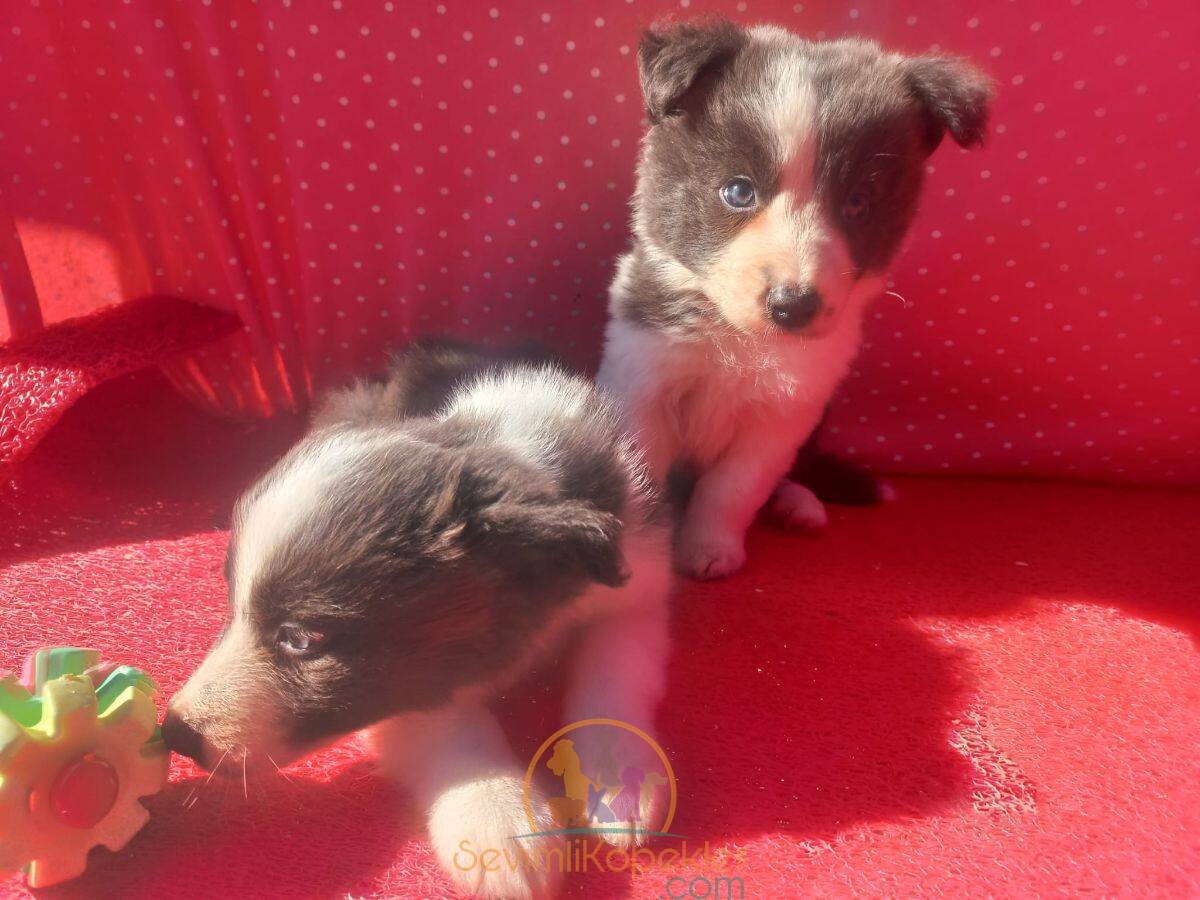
{"x":296,"y":640}
{"x":738,"y":193}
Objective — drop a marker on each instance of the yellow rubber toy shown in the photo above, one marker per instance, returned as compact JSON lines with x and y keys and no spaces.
{"x":75,"y":759}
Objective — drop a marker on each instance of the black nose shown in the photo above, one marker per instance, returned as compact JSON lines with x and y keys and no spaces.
{"x":792,"y":307}
{"x":182,"y":738}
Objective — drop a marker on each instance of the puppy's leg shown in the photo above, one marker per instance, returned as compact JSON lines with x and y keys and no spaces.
{"x":727,"y":497}
{"x":620,"y":673}
{"x":837,"y":480}
{"x":795,"y":506}
{"x":833,"y":479}
{"x":619,"y":670}
{"x":818,"y":477}
{"x":459,"y":767}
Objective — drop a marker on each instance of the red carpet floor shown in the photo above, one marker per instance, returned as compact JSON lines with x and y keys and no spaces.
{"x":986,"y":687}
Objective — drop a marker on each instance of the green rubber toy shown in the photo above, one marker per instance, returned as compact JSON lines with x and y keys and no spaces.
{"x":75,"y":760}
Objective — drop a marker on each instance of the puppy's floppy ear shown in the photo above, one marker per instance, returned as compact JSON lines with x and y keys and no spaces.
{"x":672,"y":57}
{"x":954,"y":96}
{"x":557,"y":537}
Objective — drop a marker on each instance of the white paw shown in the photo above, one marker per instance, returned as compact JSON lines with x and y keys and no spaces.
{"x":708,"y":554}
{"x":472,"y":828}
{"x":795,"y":506}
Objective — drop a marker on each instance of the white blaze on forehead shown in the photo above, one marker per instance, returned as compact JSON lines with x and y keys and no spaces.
{"x":292,"y":496}
{"x":788,"y":100}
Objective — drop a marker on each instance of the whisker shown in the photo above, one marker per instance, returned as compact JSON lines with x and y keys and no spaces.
{"x":214,"y":768}
{"x":194,"y":796}
{"x":245,"y":788}
{"x":285,"y":775}
{"x":903,"y":300}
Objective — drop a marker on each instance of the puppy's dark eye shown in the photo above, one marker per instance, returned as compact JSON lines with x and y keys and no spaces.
{"x":296,"y":640}
{"x":738,"y":193}
{"x":857,"y":205}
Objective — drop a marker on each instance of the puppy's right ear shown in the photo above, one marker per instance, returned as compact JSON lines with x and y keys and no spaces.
{"x":500,"y":513}
{"x":672,"y":58}
{"x":558,"y":536}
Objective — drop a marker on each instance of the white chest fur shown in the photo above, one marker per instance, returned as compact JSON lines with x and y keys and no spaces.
{"x":689,"y":398}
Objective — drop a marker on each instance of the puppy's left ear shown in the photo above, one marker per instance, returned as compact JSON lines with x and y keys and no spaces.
{"x":557,"y":537}
{"x":954,"y":96}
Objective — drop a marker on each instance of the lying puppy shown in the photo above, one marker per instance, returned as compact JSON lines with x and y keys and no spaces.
{"x":775,"y":184}
{"x":418,"y":551}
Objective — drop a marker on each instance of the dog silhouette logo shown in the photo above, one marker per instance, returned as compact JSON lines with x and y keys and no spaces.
{"x":571,"y":808}
{"x":607,"y":777}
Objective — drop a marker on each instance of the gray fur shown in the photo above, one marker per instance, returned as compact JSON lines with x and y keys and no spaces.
{"x":441,"y":552}
{"x":879,"y":116}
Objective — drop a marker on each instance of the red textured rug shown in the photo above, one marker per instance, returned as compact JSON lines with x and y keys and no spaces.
{"x":986,"y":687}
{"x":43,"y":374}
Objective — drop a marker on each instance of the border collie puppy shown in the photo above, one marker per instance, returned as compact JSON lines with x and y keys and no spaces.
{"x":419,"y":550}
{"x":775,"y":183}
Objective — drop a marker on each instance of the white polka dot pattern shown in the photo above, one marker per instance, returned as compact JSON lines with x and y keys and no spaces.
{"x":348,"y":175}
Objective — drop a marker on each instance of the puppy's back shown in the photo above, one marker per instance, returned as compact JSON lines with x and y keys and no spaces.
{"x":558,"y":423}
{"x":420,"y":380}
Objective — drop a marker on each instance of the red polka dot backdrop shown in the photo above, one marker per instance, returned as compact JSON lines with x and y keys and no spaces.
{"x":347,"y":175}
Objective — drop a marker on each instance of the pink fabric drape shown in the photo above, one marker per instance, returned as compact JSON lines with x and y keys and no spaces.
{"x":345,"y":176}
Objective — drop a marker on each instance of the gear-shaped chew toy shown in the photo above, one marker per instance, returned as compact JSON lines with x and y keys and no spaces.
{"x":74,"y":761}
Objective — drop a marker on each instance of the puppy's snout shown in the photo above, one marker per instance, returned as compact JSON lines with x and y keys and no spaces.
{"x":182,"y":738}
{"x":791,"y":306}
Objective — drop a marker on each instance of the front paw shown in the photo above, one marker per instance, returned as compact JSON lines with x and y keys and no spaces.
{"x":796,"y":507}
{"x":708,"y":553}
{"x":474,"y":828}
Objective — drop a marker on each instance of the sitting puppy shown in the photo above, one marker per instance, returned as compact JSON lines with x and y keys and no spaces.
{"x":420,"y":549}
{"x":775,"y":183}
